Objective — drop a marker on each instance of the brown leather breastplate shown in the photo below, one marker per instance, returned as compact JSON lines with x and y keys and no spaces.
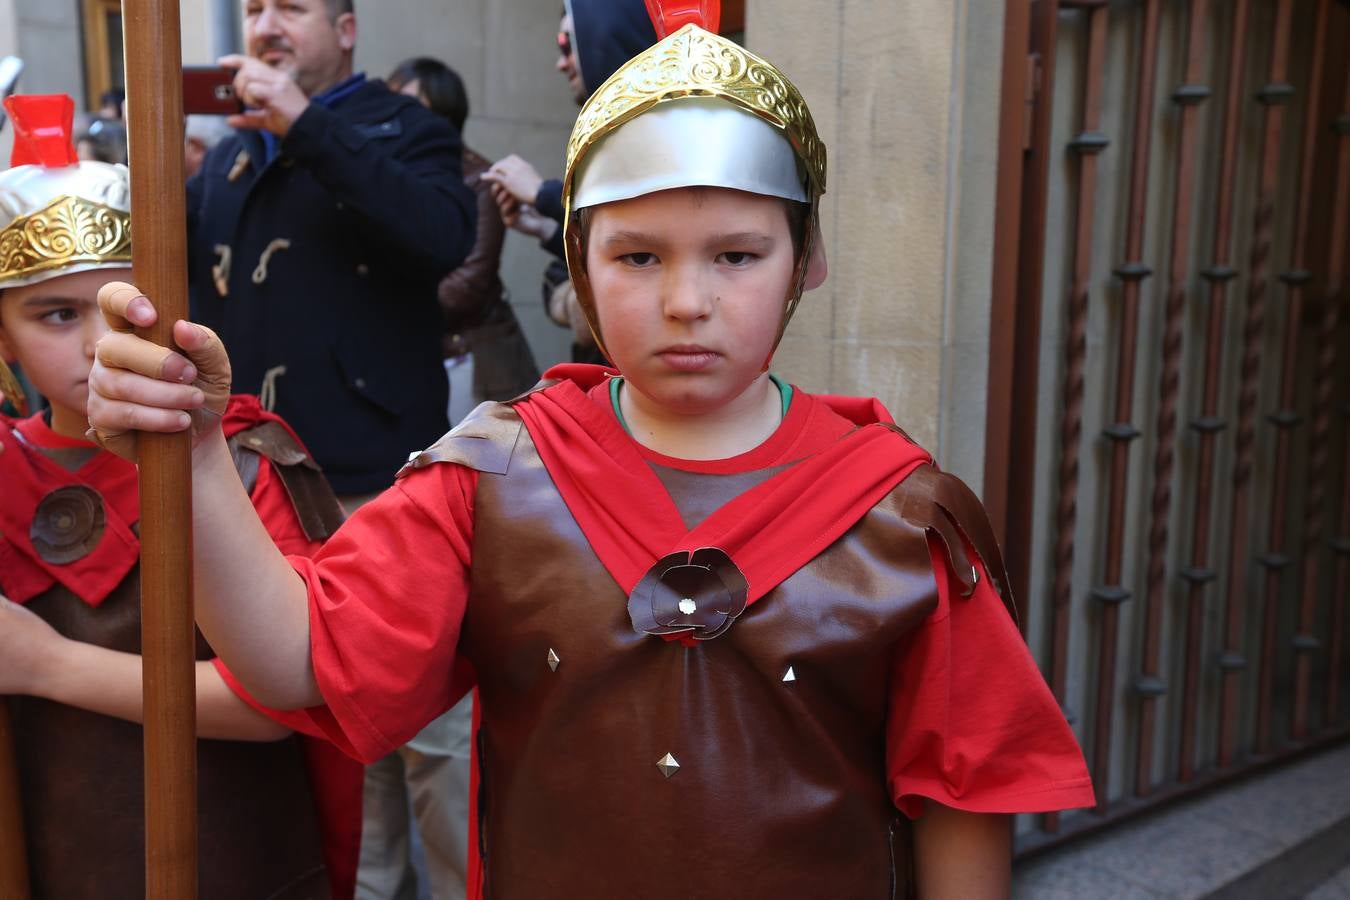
{"x":770,"y":737}
{"x":82,"y":785}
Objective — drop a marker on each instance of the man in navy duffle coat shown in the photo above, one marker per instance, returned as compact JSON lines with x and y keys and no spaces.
{"x":318,"y":234}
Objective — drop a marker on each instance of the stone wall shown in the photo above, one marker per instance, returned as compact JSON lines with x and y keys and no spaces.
{"x":905,"y":93}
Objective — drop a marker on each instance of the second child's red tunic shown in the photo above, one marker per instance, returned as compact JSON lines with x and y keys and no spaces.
{"x":69,"y":551}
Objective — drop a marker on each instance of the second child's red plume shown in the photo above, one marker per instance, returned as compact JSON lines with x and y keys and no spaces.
{"x":43,"y":130}
{"x":669,"y":16}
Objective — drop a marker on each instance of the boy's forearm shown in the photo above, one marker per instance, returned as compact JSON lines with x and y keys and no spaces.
{"x":251,"y":605}
{"x":961,"y":855}
{"x":109,"y":682}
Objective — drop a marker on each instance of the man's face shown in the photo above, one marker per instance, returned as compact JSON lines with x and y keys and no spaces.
{"x":567,"y":60}
{"x":690,"y":287}
{"x":300,"y":38}
{"x":50,"y":328}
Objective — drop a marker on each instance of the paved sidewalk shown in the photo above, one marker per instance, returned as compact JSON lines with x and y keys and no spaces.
{"x":1206,"y":846}
{"x":1337,"y":888}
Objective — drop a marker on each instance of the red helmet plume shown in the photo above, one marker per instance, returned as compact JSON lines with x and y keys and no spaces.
{"x":43,"y":128}
{"x":669,"y":16}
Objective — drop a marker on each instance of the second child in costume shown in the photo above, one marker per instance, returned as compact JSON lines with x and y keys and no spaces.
{"x":69,"y":551}
{"x":729,"y":638}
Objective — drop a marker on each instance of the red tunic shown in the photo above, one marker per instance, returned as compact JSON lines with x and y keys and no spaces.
{"x":34,"y":460}
{"x":971,"y":722}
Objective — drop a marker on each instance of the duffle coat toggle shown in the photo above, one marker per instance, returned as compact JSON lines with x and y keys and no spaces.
{"x":276,"y":246}
{"x":220,"y":272}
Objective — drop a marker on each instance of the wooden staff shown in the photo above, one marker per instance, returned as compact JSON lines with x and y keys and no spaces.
{"x":155,"y":118}
{"x":13,"y":851}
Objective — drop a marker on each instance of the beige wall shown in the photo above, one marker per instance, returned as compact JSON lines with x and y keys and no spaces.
{"x":9,"y":46}
{"x":905,"y":93}
{"x":46,"y":36}
{"x":9,"y":37}
{"x":195,"y":23}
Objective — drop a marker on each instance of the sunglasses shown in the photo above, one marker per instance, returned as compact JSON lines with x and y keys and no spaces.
{"x":564,"y":43}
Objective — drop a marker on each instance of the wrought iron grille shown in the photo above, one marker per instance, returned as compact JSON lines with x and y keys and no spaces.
{"x":1167,"y":452}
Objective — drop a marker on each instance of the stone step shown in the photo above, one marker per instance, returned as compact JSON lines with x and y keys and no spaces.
{"x":1287,"y":828}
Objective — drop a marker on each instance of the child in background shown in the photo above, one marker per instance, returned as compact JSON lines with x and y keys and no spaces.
{"x":730,"y":638}
{"x":69,"y":586}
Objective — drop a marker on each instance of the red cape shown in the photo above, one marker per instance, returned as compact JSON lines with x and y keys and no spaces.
{"x":28,"y":476}
{"x":770,"y":531}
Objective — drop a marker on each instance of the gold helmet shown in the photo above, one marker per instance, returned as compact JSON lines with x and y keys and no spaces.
{"x":695,"y":109}
{"x":58,"y":215}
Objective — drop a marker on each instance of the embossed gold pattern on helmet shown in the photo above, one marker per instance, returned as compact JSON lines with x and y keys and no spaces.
{"x":70,"y":234}
{"x":60,"y":220}
{"x":696,"y":63}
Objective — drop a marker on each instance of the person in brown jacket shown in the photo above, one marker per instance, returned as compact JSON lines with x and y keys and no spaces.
{"x":484,"y":346}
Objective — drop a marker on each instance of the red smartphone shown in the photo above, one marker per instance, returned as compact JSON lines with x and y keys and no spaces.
{"x":209,"y":91}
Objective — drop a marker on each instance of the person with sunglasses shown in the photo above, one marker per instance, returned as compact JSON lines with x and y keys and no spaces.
{"x":595,"y":38}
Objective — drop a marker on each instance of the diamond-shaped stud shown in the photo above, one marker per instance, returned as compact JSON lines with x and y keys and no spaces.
{"x":688,"y":606}
{"x":789,"y":676}
{"x":668,"y":765}
{"x":553,"y":659}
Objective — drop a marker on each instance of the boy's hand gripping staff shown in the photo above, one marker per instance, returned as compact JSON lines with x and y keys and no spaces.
{"x":201,"y":363}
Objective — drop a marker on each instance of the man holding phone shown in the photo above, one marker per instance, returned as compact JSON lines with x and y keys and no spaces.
{"x":318,"y":234}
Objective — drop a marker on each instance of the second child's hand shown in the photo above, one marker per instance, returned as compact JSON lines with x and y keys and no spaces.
{"x":28,"y":647}
{"x":37,"y":660}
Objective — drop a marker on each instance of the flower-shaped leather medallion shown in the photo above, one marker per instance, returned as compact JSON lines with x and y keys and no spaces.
{"x":68,"y":524}
{"x":701,"y":592}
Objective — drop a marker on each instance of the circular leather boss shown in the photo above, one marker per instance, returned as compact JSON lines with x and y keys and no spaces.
{"x":701,"y":593}
{"x":68,"y":524}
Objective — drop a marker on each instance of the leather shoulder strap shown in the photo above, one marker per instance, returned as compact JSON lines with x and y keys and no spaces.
{"x":246,"y":463}
{"x":315,"y":504}
{"x":484,"y":441}
{"x":943,"y":504}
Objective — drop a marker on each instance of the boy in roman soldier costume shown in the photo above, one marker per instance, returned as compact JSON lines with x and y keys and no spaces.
{"x":69,"y":551}
{"x":729,"y":638}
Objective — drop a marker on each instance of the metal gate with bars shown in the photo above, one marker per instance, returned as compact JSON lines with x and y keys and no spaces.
{"x":1166,"y":451}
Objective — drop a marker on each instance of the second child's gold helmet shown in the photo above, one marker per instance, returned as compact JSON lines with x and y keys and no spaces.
{"x":58,"y":215}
